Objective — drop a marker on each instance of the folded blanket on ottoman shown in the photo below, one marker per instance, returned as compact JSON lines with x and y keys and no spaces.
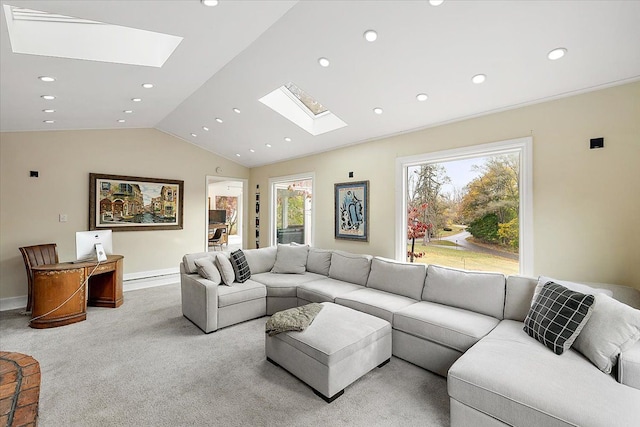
{"x":293,"y":319}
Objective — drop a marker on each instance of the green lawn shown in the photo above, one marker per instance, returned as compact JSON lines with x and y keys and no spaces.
{"x":457,"y":258}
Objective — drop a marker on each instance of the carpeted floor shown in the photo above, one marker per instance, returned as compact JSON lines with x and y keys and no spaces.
{"x":144,"y":364}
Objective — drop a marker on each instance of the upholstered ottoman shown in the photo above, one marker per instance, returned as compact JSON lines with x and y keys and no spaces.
{"x":340,"y":346}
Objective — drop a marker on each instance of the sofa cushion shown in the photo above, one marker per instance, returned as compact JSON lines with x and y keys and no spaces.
{"x":208,"y":270}
{"x":613,"y":327}
{"x":260,"y":260}
{"x":397,"y":277}
{"x":240,"y":292}
{"x":518,"y":381}
{"x":284,"y":285}
{"x":452,"y":327}
{"x":319,"y":261}
{"x":557,"y":316}
{"x":291,"y":259}
{"x":574,"y":286}
{"x":377,"y":303}
{"x":348,"y":267}
{"x":226,"y":269}
{"x":476,"y":291}
{"x":240,"y":266}
{"x":518,"y":297}
{"x":325,"y":290}
{"x":188,"y":261}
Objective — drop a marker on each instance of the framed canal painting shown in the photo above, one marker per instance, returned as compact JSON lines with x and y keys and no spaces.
{"x":352,"y":211}
{"x":129,"y":203}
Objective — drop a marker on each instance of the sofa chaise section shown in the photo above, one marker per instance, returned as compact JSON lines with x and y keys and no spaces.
{"x":514,"y":380}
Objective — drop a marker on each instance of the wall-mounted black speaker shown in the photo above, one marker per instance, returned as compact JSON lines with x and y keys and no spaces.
{"x":596,"y":143}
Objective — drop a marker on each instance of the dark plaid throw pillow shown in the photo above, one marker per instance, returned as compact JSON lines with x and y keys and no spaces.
{"x":240,"y":266}
{"x":557,"y":316}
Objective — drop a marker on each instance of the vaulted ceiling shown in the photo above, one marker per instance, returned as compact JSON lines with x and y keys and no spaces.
{"x":235,"y":53}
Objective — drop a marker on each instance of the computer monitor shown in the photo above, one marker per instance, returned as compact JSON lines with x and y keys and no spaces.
{"x":86,"y":244}
{"x":217,"y":216}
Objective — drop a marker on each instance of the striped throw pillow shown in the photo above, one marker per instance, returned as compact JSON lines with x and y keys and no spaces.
{"x":240,"y":266}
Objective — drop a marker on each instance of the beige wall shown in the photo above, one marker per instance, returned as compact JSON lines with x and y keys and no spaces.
{"x":586,"y":202}
{"x":29,"y":207}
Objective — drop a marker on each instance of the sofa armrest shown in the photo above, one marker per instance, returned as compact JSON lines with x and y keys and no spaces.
{"x":629,"y":366}
{"x":199,"y":301}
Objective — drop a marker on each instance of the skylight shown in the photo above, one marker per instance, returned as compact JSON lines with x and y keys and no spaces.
{"x":309,"y":101}
{"x":302,"y":109}
{"x":35,"y":32}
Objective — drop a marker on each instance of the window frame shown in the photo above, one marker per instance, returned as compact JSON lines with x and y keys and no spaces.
{"x":522,"y":146}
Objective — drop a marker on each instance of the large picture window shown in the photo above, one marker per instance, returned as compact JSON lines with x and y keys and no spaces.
{"x":467,"y":208}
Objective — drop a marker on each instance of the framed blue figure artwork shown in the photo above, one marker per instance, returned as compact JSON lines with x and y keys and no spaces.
{"x":352,"y":211}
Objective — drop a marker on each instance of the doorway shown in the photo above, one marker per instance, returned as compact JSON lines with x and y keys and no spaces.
{"x":225,"y":212}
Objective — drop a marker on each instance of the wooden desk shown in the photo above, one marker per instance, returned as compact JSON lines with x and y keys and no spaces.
{"x":55,"y":283}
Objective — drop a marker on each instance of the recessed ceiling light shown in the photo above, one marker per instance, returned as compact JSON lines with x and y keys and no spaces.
{"x":205,"y":128}
{"x":370,"y":35}
{"x":47,"y":79}
{"x":286,"y":138}
{"x":377,"y":110}
{"x":436,"y":2}
{"x":218,"y":119}
{"x":237,"y":154}
{"x":324,"y":62}
{"x":236,"y":110}
{"x":48,"y":111}
{"x":557,"y":53}
{"x":422,"y":97}
{"x":252,"y":150}
{"x":121,"y":120}
{"x":128,"y":111}
{"x":194,"y":135}
{"x":478,"y":78}
{"x":136,"y":99}
{"x":267,"y":145}
{"x":49,"y":121}
{"x":48,"y":97}
{"x":147,"y":85}
{"x":210,"y":2}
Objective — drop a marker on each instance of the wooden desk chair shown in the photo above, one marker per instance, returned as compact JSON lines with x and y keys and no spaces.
{"x":216,"y":239}
{"x":34,"y":256}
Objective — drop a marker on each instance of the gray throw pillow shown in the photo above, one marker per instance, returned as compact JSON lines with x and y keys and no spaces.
{"x":613,"y":328}
{"x":207,"y":269}
{"x":291,"y":259}
{"x":226,"y":269}
{"x":557,"y":316}
{"x":240,"y":266}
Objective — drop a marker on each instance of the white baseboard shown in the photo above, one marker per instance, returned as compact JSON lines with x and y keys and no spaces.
{"x":150,"y":282}
{"x":13,"y":303}
{"x":131,"y":282}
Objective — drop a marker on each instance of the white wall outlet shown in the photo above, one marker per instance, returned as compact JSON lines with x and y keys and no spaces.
{"x":62,"y":218}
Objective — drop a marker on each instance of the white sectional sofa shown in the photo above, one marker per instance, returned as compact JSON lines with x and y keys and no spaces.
{"x":467,"y":326}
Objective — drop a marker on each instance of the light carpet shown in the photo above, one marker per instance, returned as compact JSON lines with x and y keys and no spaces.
{"x":144,"y":364}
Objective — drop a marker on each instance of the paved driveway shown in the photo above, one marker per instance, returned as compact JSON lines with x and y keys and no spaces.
{"x":461,"y":240}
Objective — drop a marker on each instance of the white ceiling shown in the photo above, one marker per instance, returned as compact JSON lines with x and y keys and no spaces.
{"x":239,"y":51}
